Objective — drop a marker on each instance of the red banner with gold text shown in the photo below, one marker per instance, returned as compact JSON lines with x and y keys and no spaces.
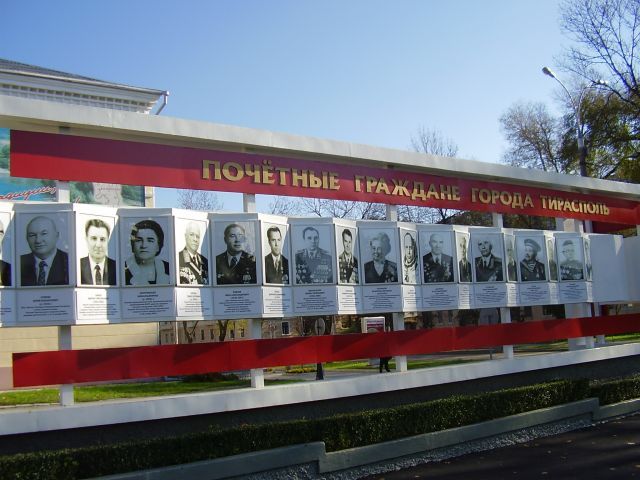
{"x":73,"y":158}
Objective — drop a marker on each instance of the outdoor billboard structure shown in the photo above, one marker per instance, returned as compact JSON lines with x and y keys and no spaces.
{"x":400,"y":267}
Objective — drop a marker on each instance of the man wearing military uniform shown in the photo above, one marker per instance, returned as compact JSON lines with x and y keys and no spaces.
{"x":313,"y":264}
{"x":488,"y":266}
{"x":531,"y":270}
{"x":570,"y":269}
{"x":235,"y":266}
{"x":346,"y":261}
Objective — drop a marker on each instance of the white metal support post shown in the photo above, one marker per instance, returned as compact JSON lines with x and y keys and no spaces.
{"x":398,"y":317}
{"x":505,"y":312}
{"x":65,"y":340}
{"x":255,"y":324}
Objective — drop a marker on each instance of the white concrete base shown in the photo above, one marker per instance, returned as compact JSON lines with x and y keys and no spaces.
{"x":36,"y":419}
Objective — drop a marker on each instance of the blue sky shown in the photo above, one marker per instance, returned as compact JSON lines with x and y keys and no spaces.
{"x":369,"y":71}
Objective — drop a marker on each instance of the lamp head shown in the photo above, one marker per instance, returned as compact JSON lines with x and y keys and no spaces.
{"x":547,"y":71}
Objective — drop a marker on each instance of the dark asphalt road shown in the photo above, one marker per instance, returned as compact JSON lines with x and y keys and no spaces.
{"x":607,"y":451}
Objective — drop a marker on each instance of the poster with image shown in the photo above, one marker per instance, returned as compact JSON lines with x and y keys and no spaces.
{"x":409,"y":247}
{"x":488,"y":255}
{"x":235,"y":245}
{"x":464,"y":257}
{"x":276,"y":248}
{"x":312,"y":245}
{"x":6,"y":250}
{"x":348,"y":256}
{"x":436,"y":249}
{"x":532,"y":257}
{"x":96,"y":250}
{"x":146,"y":251}
{"x":192,"y":249}
{"x":43,"y":242}
{"x":379,"y":252}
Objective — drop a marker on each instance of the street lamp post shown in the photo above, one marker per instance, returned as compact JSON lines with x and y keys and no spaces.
{"x":577,"y":106}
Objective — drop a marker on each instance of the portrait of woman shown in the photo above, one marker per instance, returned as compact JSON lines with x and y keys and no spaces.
{"x":144,"y":267}
{"x":380,"y":269}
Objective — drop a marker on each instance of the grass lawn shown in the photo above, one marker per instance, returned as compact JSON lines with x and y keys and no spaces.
{"x":96,"y":393}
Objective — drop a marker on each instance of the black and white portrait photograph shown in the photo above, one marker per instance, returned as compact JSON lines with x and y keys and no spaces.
{"x":6,"y":249}
{"x":588,"y":266}
{"x":347,"y":245}
{"x":532,"y":258}
{"x":146,"y":249}
{"x":464,"y":257}
{"x":409,"y":245}
{"x":488,"y":257}
{"x":275,"y":245}
{"x":235,"y":244}
{"x":96,"y":246}
{"x":192,"y":243}
{"x":313,"y":254}
{"x":551,"y":256}
{"x":43,"y":243}
{"x":571,"y":258}
{"x":379,"y":248}
{"x":512,"y":267}
{"x":437,"y":256}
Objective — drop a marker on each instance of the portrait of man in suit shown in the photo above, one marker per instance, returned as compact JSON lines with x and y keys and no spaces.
{"x":46,"y":264}
{"x":276,"y":265}
{"x":464,"y":265}
{"x":235,"y":266}
{"x":193,"y":267}
{"x":5,"y":267}
{"x":97,"y":268}
{"x":347,"y":262}
{"x":437,"y":265}
{"x":313,"y":264}
{"x":488,"y":266}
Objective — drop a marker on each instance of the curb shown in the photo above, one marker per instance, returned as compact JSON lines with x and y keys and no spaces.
{"x":315,"y":453}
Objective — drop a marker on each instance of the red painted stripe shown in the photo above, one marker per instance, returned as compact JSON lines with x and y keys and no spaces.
{"x":78,"y":366}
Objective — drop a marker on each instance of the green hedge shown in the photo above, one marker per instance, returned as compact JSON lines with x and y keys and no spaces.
{"x":338,"y":432}
{"x":616,"y":390}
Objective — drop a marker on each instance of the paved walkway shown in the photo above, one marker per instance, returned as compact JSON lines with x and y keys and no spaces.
{"x":606,"y":451}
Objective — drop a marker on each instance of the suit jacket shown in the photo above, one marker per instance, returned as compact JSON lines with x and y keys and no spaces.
{"x":437,"y":273}
{"x":58,"y":270}
{"x":86,"y":276}
{"x":281,"y":275}
{"x":389,"y":273}
{"x":191,"y":273}
{"x":244,"y":272}
{"x":5,"y":273}
{"x":465,"y":270}
{"x":492,"y":272}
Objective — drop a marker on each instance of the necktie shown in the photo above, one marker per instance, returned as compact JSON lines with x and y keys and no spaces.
{"x":234,"y":261}
{"x":98,"y":275}
{"x":42,"y":274}
{"x":438,"y":261}
{"x":277,"y":265}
